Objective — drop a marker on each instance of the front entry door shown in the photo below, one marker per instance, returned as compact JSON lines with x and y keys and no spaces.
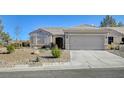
{"x":59,"y":42}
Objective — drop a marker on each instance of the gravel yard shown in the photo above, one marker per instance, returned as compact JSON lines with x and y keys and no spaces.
{"x":24,"y":56}
{"x":46,"y":56}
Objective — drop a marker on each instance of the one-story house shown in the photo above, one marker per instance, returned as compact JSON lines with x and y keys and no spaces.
{"x":80,"y":37}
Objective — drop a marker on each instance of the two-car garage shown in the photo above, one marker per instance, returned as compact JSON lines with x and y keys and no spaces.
{"x":86,"y":42}
{"x":85,"y":39}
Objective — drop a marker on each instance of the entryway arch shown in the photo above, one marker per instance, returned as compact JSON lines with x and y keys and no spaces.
{"x":59,"y":42}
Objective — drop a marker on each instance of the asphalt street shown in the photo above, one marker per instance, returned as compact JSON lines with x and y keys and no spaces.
{"x":77,"y":73}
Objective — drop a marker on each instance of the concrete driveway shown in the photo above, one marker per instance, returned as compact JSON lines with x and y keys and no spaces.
{"x":95,"y":59}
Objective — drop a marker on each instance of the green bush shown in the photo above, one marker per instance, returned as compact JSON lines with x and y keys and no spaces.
{"x":10,"y":48}
{"x":56,"y":52}
{"x":1,"y":43}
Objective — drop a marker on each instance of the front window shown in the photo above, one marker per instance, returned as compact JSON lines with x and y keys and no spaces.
{"x":40,"y":40}
{"x":110,"y":40}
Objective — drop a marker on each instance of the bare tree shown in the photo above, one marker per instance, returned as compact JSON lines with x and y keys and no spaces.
{"x":17,"y":32}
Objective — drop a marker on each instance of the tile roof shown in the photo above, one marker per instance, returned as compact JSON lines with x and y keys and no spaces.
{"x":55,"y":30}
{"x":38,"y":30}
{"x":82,"y":28}
{"x":118,"y":29}
{"x":86,"y":29}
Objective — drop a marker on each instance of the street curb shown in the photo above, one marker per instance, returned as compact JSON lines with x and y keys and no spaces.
{"x":41,"y":68}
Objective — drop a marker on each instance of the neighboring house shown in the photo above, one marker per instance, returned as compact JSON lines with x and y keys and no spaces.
{"x":115,"y":35}
{"x":80,"y":37}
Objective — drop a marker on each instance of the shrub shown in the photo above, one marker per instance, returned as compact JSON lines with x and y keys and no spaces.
{"x":10,"y":48}
{"x":56,"y":52}
{"x":110,"y":46}
{"x":37,"y":59}
{"x":16,"y":45}
{"x":1,"y":44}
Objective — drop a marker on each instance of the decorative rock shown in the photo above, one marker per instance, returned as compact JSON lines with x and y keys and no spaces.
{"x":35,"y":47}
{"x":35,"y":52}
{"x":3,"y":50}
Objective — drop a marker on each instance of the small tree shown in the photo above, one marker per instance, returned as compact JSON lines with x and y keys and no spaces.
{"x":5,"y":37}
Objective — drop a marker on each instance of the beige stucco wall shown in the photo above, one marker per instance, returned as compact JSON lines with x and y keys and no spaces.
{"x":67,"y":41}
{"x":117,"y":36}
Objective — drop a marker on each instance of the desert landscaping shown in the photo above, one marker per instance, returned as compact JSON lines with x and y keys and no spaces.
{"x":26,"y":56}
{"x":54,"y":44}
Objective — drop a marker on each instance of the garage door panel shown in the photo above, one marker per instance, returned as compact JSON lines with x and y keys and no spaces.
{"x":86,"y":42}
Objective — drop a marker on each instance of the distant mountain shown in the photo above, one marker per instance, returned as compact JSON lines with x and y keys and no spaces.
{"x":86,"y":25}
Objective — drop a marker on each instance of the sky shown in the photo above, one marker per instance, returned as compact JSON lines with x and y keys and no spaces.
{"x":29,"y":23}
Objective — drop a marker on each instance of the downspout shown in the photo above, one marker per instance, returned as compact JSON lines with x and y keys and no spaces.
{"x":36,"y":39}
